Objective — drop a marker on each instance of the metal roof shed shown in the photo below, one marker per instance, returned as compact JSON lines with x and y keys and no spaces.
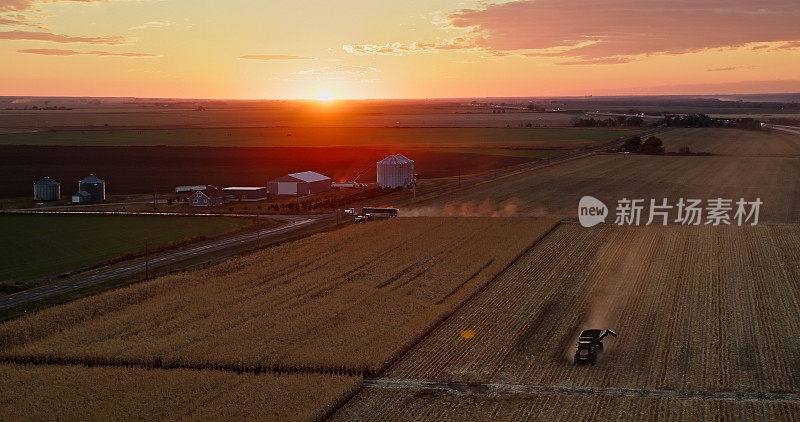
{"x":303,"y":183}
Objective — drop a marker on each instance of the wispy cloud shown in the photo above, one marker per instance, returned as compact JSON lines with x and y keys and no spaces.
{"x":402,"y":48}
{"x":60,"y":52}
{"x":21,"y":5}
{"x":601,"y":60}
{"x":154,"y":24}
{"x":47,"y":36}
{"x":723,"y":69}
{"x":18,"y":20}
{"x":268,"y":57}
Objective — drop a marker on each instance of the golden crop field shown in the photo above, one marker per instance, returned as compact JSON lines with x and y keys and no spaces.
{"x":556,"y":190}
{"x":415,"y":405}
{"x":48,"y":392}
{"x":347,"y":301}
{"x":732,"y":142}
{"x":696,"y":309}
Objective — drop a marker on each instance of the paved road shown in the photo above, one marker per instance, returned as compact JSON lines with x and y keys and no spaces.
{"x":790,"y":129}
{"x":158,"y":261}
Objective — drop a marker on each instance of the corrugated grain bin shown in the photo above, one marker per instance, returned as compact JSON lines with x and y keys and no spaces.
{"x":395,"y":171}
{"x":94,"y":186}
{"x":46,"y":189}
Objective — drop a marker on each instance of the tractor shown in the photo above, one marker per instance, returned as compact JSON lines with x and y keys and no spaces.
{"x":590,"y":344}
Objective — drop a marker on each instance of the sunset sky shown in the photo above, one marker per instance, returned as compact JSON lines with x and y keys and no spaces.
{"x":397,"y":49}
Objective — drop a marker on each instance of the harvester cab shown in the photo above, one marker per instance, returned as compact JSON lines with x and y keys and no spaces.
{"x":590,"y":344}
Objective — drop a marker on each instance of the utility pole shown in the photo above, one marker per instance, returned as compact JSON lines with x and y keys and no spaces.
{"x":146,"y":261}
{"x":154,"y":199}
{"x":258,"y":233}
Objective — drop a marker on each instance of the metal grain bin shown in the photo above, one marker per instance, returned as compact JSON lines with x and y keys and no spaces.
{"x":46,"y":189}
{"x":94,"y":186}
{"x":395,"y":171}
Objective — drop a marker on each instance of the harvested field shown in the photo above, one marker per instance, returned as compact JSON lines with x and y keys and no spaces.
{"x":556,"y":190}
{"x":143,"y":169}
{"x":346,"y":301}
{"x":696,"y":309}
{"x":415,"y":405}
{"x":81,"y":393}
{"x":732,"y":142}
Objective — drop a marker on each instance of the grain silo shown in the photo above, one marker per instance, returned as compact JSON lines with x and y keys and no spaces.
{"x":94,"y":186}
{"x":46,"y":189}
{"x":395,"y":171}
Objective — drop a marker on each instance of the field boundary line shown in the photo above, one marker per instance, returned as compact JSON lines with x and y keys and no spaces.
{"x":495,"y":389}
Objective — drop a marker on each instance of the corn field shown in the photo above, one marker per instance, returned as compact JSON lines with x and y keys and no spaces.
{"x":56,"y":392}
{"x":345,"y":302}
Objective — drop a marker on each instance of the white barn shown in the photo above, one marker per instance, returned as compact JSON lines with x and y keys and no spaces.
{"x":302,"y":183}
{"x":395,"y":171}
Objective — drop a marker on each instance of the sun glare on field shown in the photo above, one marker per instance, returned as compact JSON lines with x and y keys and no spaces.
{"x":324,"y":95}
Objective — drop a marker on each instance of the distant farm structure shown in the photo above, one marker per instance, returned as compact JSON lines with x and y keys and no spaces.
{"x":246,"y":193}
{"x":302,"y":183}
{"x":395,"y":171}
{"x":46,"y":189}
{"x":90,"y":189}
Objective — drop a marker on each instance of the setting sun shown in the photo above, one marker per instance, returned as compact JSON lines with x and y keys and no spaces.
{"x":324,"y":95}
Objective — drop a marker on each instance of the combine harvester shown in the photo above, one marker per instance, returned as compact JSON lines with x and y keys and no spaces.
{"x":590,"y":344}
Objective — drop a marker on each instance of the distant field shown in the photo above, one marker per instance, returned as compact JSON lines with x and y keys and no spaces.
{"x":348,"y":300}
{"x":540,"y":138}
{"x":556,"y":190}
{"x":733,"y":142}
{"x":46,"y":245}
{"x":79,"y":393}
{"x":129,"y":170}
{"x":696,"y":309}
{"x":276,"y":113}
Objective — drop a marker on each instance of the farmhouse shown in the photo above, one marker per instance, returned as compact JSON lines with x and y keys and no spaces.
{"x":395,"y":171}
{"x":246,"y":193}
{"x":46,"y":189}
{"x":303,"y":183}
{"x":208,"y":198}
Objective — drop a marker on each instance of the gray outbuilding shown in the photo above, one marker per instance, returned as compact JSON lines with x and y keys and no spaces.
{"x":46,"y":189}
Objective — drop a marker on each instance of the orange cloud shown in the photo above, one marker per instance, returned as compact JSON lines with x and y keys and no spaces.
{"x":60,"y":52}
{"x":602,"y":29}
{"x":47,"y":36}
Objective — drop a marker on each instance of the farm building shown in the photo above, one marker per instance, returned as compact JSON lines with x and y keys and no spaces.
{"x":94,"y":186}
{"x":191,"y":188}
{"x":208,"y":197}
{"x":395,"y":171}
{"x":46,"y":189}
{"x":246,"y":193}
{"x":81,"y":196}
{"x":303,"y":183}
